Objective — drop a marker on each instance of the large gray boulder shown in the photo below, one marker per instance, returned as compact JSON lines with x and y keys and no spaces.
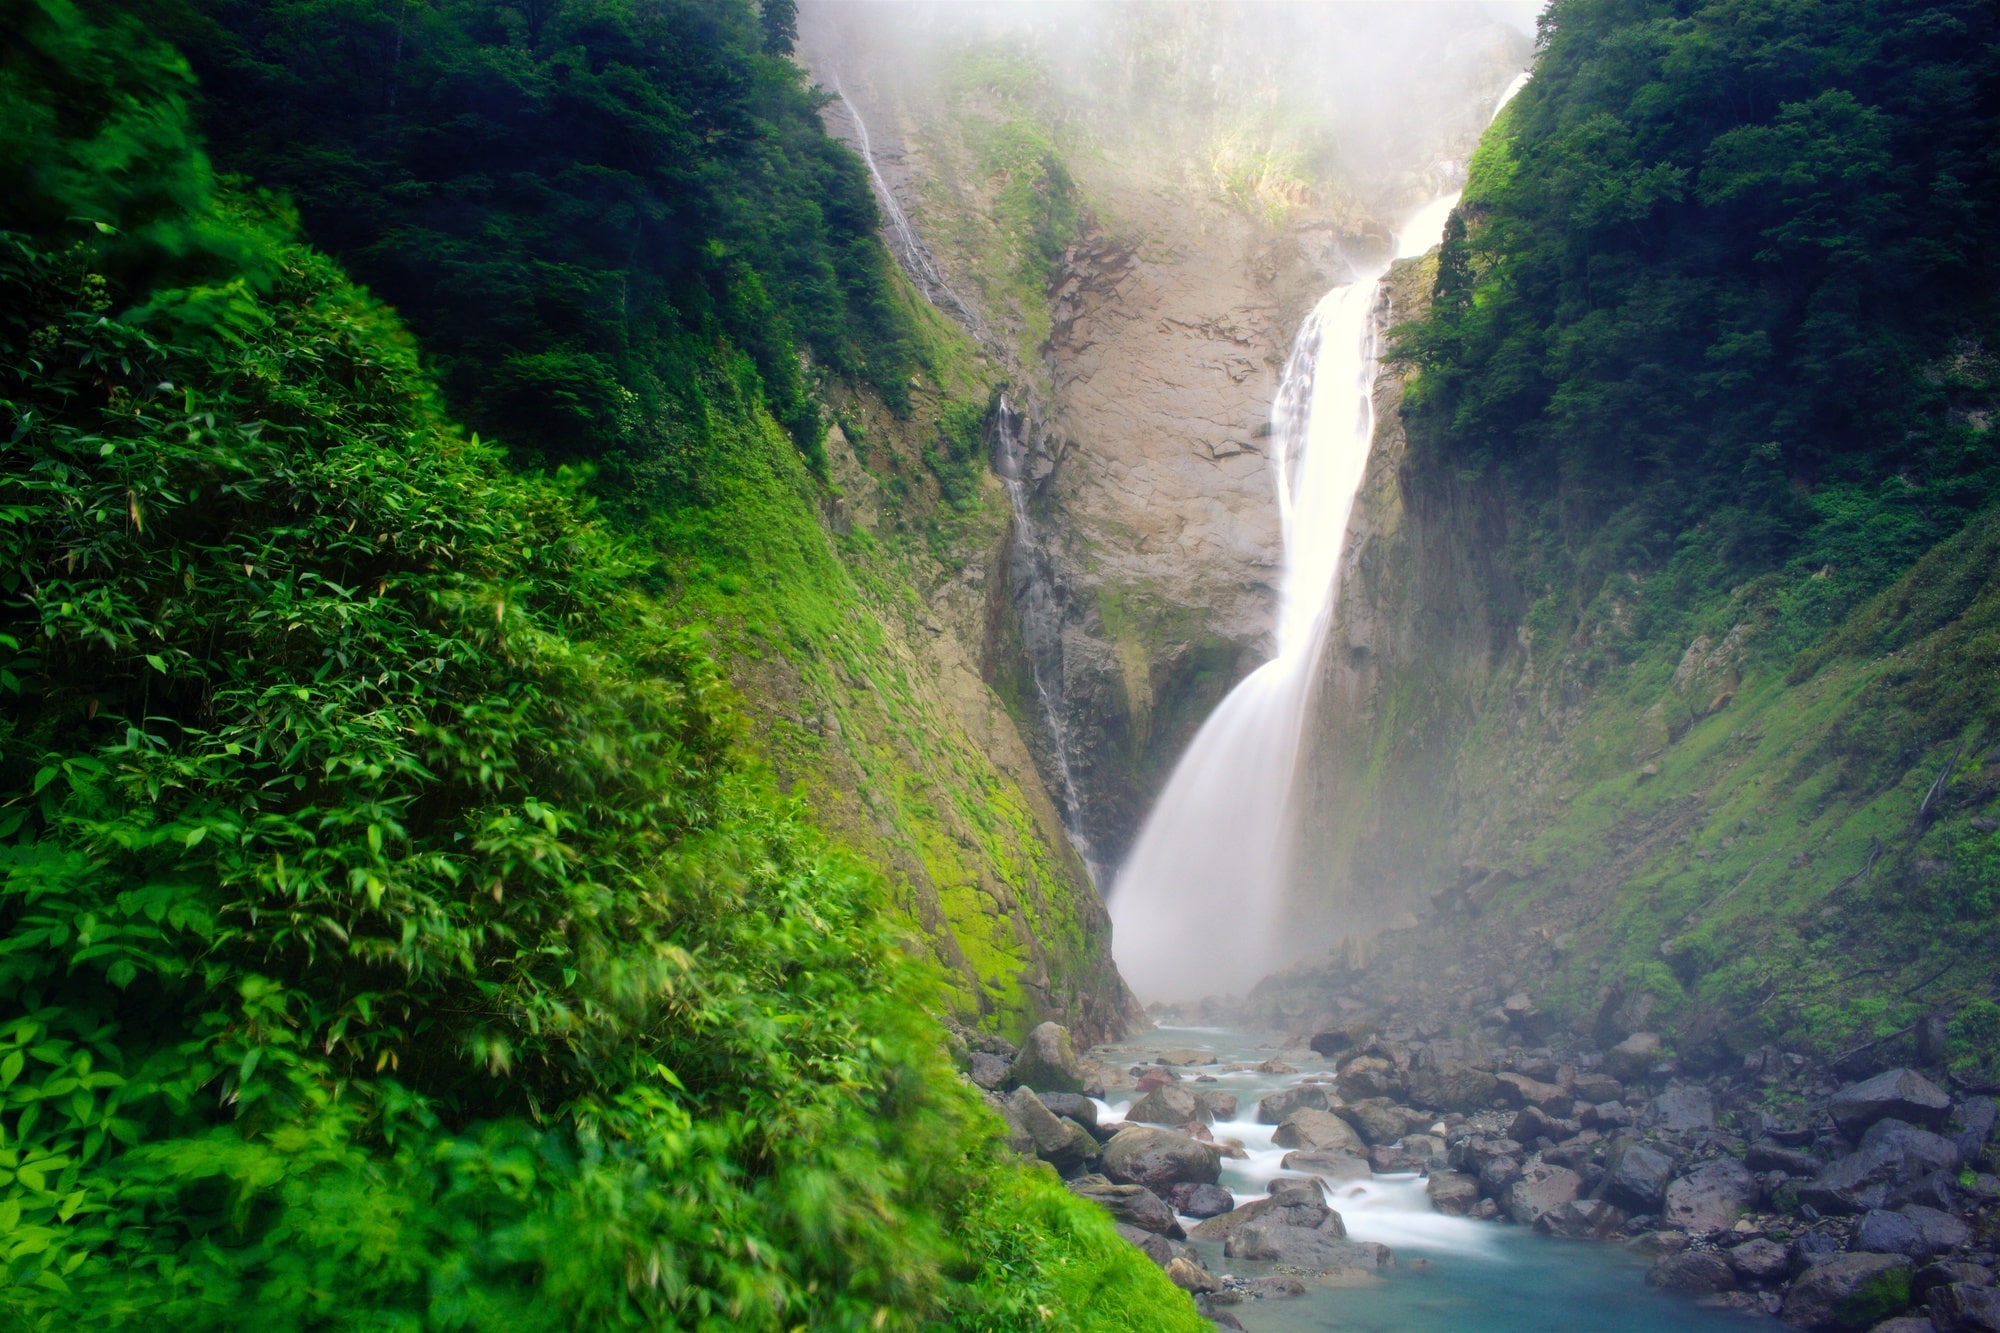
{"x":1303,"y":1248}
{"x":1452,"y":1193}
{"x":1633,"y":1057}
{"x":1914,"y":1231}
{"x":1963,"y":1307}
{"x":1171,"y":1104}
{"x":1216,"y":1106}
{"x":1061,"y":1143}
{"x":1292,"y":1203}
{"x":1518,"y":1090}
{"x":1539,"y":1189}
{"x":1451,"y":1087}
{"x":1379,"y":1120}
{"x":1201,"y":1201}
{"x":1638,"y":1177}
{"x":1333,"y":1167}
{"x":1711,"y":1196}
{"x":1901,"y":1094}
{"x":1582,"y":1219}
{"x":1761,"y":1261}
{"x":1848,"y":1291}
{"x":1133,"y":1205}
{"x":1892,"y":1153}
{"x":1692,"y":1273}
{"x":1047,"y":1062}
{"x":1273,"y":1109}
{"x":1317,"y":1131}
{"x":1159,"y":1159}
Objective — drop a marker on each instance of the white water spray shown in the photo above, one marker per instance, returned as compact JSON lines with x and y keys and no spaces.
{"x":1198,"y":904}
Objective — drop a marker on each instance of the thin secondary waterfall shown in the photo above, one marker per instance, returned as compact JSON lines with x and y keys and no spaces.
{"x":1198,"y":903}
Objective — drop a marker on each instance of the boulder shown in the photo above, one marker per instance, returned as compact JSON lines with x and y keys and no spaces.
{"x":1301,"y":1247}
{"x":1292,"y":1203}
{"x":1061,"y":1143}
{"x":987,"y":1070}
{"x":1680,"y":1110}
{"x":1764,"y":1262}
{"x":1914,"y":1231}
{"x":1520,"y":1090}
{"x":1962,"y":1307}
{"x":1171,"y":1104}
{"x":1892,"y":1153}
{"x":1633,"y":1057}
{"x":1047,"y":1062}
{"x":1369,"y":1076}
{"x":1452,"y":1193}
{"x":1497,"y":1174}
{"x":1534,"y":1123}
{"x":1379,"y":1120}
{"x":1540,"y":1189}
{"x":1451,"y":1087}
{"x":1150,"y":1243}
{"x":1582,"y":1219}
{"x":1711,"y":1196}
{"x":1072,"y":1106}
{"x":1159,"y":1159}
{"x":1637,"y":1177}
{"x":1973,"y":1124}
{"x":1317,"y":1131}
{"x":1132,"y":1205}
{"x":1597,"y":1088}
{"x":1770,"y":1155}
{"x":1900,"y":1094}
{"x":1190,"y":1276}
{"x":1216,"y":1106}
{"x":1905,"y":1324}
{"x":1332,"y":1167}
{"x":1201,"y":1201}
{"x":1692,"y":1273}
{"x":1273,"y":1109}
{"x":1848,"y":1291}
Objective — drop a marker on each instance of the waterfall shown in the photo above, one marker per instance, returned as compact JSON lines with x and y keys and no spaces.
{"x":1198,"y":903}
{"x":1033,"y":590}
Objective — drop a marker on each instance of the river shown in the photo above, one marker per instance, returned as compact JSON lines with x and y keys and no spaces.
{"x":1451,"y":1273}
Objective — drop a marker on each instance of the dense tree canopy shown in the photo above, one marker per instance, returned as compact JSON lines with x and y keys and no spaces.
{"x":1726,"y":273}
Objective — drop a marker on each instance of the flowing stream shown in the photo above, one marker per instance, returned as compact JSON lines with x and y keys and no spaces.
{"x":1451,"y":1274}
{"x":1198,"y":904}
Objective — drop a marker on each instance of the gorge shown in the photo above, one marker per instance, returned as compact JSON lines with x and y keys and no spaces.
{"x":737,"y":664}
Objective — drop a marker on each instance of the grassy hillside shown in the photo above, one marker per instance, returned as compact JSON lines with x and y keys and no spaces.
{"x":1677,"y":563}
{"x":394,"y":931}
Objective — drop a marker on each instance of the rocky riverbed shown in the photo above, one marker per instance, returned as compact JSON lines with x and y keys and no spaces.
{"x":1330,"y":1168}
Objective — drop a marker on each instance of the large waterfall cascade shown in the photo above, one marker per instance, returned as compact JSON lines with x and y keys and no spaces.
{"x":1198,"y":904}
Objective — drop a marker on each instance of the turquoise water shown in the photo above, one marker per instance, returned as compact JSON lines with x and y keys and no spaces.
{"x":1451,"y":1274}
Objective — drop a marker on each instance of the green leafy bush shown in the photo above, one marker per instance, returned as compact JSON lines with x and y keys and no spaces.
{"x":391,"y":934}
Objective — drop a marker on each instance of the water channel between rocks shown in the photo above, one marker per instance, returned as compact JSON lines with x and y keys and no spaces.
{"x":1450,"y":1273}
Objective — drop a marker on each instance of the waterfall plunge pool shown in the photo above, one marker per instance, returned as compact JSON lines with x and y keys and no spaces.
{"x":1451,"y":1275}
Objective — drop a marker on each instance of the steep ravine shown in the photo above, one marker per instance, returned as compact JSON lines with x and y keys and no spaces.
{"x":1141,"y":342}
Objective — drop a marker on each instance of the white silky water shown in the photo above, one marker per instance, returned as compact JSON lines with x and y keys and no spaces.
{"x":1198,"y":905}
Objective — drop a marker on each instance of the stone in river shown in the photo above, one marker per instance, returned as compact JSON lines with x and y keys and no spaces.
{"x":1901,"y":1094}
{"x":1379,"y":1120}
{"x":1317,"y":1131}
{"x":1200,"y":1201}
{"x":1274,"y":1108}
{"x":1216,"y":1105}
{"x":1047,"y":1062}
{"x":1149,"y":1243}
{"x":1692,"y":1273}
{"x":1633,"y":1057}
{"x":1072,"y":1106}
{"x":1711,"y":1196}
{"x":1539,"y":1189}
{"x":1452,"y":1193}
{"x":1368,"y":1076}
{"x":1292,"y":1203}
{"x":1638,"y":1177}
{"x":1848,"y":1291}
{"x":1133,"y":1205}
{"x":1520,"y":1090}
{"x":1330,"y":1166}
{"x":1303,"y":1248}
{"x":1168,"y":1105}
{"x":1159,"y":1159}
{"x":1190,"y":1276}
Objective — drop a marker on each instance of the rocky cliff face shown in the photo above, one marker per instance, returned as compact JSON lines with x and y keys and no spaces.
{"x":1137,"y":263}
